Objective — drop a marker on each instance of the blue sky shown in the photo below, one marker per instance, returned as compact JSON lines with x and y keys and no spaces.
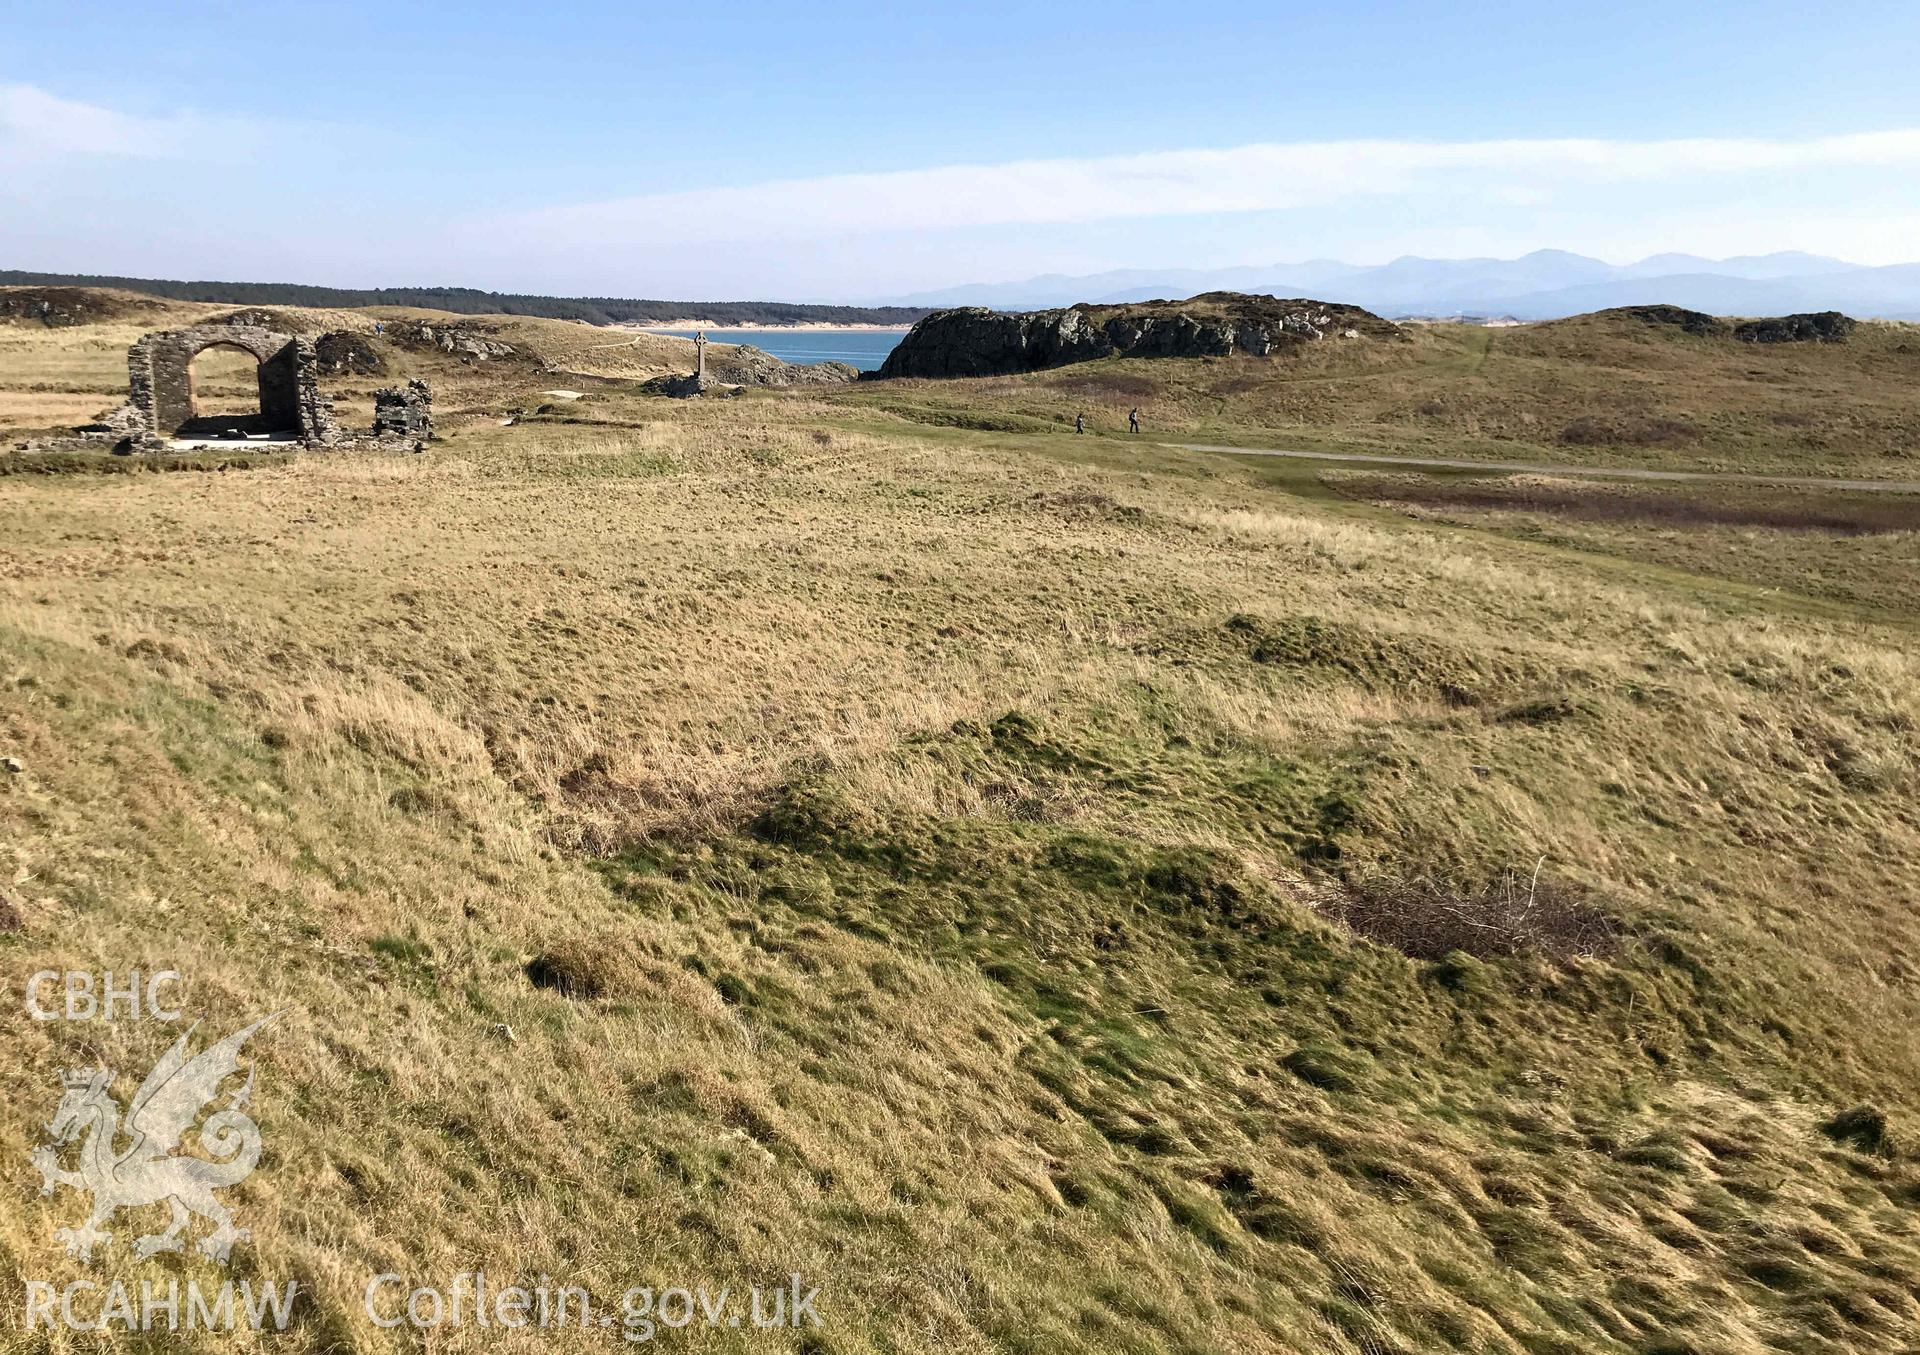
{"x":851,"y":151}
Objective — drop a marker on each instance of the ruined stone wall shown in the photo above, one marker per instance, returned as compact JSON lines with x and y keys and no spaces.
{"x":160,"y":393}
{"x":312,"y":410}
{"x":404,"y":411}
{"x":160,"y":381}
{"x":137,"y":414}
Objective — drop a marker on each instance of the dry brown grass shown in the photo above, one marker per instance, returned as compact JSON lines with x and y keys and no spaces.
{"x":912,"y":857}
{"x":1855,"y":549}
{"x":1790,"y":510}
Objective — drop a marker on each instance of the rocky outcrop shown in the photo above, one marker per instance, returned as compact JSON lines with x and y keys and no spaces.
{"x":1671,"y":317}
{"x":57,"y":307}
{"x":1819,"y":327}
{"x":266,"y":317}
{"x":750,"y":366}
{"x":344,"y":353}
{"x":1816,"y":327}
{"x":977,"y":342}
{"x":469,"y":343}
{"x":743,"y":365}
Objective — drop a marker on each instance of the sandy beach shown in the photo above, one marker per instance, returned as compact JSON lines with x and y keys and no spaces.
{"x":665,"y":326}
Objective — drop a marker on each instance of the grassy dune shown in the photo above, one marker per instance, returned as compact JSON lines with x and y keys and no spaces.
{"x":1600,"y":389}
{"x":1050,"y":892}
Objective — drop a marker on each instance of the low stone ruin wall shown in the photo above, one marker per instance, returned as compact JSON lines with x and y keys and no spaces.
{"x":404,"y":412}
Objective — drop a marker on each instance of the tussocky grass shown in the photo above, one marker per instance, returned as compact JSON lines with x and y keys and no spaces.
{"x":1050,"y":894}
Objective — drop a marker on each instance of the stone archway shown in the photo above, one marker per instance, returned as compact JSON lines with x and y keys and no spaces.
{"x":160,"y":381}
{"x":216,"y":377}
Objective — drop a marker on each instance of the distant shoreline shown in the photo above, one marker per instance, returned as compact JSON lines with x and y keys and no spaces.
{"x":663,"y":326}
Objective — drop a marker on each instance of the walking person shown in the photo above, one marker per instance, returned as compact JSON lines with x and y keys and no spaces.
{"x":1079,"y":423}
{"x":1133,"y":419}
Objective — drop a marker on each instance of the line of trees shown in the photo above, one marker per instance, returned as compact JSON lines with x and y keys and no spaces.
{"x":596,"y":310}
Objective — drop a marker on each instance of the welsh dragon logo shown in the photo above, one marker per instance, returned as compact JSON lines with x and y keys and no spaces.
{"x":151,"y":1170}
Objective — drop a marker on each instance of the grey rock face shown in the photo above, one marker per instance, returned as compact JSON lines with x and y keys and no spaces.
{"x":344,"y":353}
{"x":1819,"y":327}
{"x":1814,"y":327}
{"x":465,"y":342}
{"x":974,"y":341}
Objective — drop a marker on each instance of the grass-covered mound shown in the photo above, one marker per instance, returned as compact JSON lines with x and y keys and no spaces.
{"x":1673,"y":390}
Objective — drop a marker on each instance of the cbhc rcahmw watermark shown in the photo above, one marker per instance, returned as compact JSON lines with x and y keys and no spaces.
{"x":87,"y":997}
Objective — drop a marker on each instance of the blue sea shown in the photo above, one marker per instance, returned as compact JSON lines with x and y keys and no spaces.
{"x":862,"y":348}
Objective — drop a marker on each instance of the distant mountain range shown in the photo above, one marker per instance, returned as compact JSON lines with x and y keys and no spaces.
{"x":1544,"y":285}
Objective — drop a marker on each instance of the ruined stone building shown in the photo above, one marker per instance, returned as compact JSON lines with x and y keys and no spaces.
{"x":160,"y":393}
{"x":160,"y":385}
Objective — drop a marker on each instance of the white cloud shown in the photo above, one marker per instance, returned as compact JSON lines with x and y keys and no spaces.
{"x":1254,"y":178}
{"x":63,"y":139}
{"x":348,"y":208}
{"x":36,"y":125}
